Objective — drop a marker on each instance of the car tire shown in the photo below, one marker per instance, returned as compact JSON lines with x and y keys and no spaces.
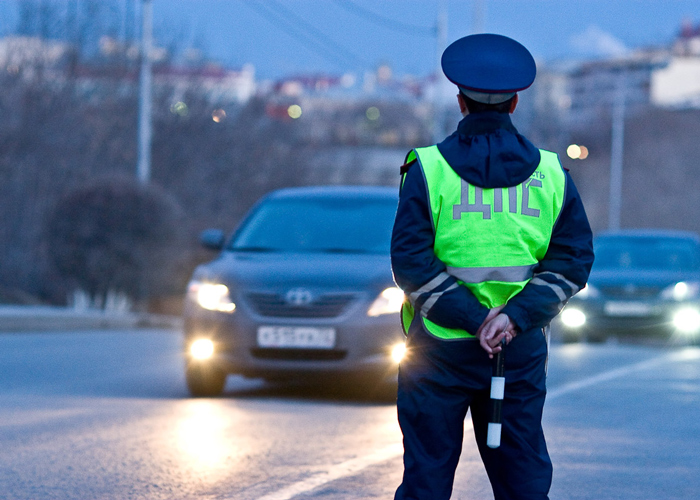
{"x":204,"y":380}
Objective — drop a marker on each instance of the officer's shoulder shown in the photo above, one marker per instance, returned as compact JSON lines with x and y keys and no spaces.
{"x":406,"y":166}
{"x":552,"y":154}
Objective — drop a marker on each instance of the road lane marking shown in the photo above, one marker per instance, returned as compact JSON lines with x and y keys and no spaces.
{"x":345,"y":469}
{"x":333,"y":472}
{"x":618,"y":373}
{"x":355,"y":465}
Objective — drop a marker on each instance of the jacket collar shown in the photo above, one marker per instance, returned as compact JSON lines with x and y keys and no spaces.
{"x":485,"y":123}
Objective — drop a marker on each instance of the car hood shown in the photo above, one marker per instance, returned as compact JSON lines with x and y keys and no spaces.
{"x":649,"y":278}
{"x":277,"y":270}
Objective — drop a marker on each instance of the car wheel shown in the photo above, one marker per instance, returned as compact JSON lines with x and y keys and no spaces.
{"x":205,"y":380}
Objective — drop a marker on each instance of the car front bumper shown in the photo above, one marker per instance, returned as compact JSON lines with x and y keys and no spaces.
{"x":363,"y":344}
{"x":602,"y":317}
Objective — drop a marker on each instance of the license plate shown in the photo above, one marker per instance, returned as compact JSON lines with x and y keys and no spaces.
{"x":628,"y":309}
{"x":296,"y":337}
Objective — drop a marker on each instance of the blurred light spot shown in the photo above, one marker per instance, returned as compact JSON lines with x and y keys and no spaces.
{"x":179,"y":108}
{"x":372,"y":113}
{"x":388,"y":302}
{"x":398,"y":352}
{"x":680,"y":291}
{"x":108,"y":45}
{"x":218,"y":115}
{"x":574,"y":151}
{"x":389,"y":138}
{"x":348,"y":80}
{"x":202,"y":437}
{"x":202,"y":349}
{"x":294,"y":111}
{"x":292,"y":89}
{"x":687,"y":320}
{"x":573,"y":318}
{"x":584,"y":153}
{"x":384,"y":73}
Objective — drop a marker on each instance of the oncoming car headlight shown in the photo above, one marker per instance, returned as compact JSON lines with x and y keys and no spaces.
{"x":687,"y":320}
{"x":388,"y":302}
{"x":398,"y":352}
{"x":683,"y":290}
{"x":573,"y":318}
{"x":211,"y":296}
{"x":202,"y":349}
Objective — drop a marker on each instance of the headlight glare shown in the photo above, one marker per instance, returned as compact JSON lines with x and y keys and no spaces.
{"x":573,"y":318}
{"x":202,"y":349}
{"x":683,"y":290}
{"x":687,"y":320}
{"x":588,"y":292}
{"x":211,"y":296}
{"x":398,"y":352}
{"x":388,"y":302}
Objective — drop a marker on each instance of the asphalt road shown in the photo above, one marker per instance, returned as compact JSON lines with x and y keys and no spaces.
{"x":105,"y":415}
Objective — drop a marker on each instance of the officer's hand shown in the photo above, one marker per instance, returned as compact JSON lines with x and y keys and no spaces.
{"x":492,"y":314}
{"x":494,"y":331}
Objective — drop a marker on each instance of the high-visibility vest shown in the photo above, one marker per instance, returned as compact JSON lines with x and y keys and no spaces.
{"x":490,"y":239}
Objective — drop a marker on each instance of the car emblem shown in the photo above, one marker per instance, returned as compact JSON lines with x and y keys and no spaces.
{"x":299,"y":297}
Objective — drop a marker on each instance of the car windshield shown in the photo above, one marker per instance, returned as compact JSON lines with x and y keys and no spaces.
{"x":672,"y":254}
{"x":323,"y":224}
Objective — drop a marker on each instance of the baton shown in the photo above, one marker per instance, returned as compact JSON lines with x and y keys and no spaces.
{"x":498,"y":386}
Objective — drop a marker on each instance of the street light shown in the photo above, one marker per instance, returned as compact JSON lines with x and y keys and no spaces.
{"x":573,"y":151}
{"x":577,"y":152}
{"x":617,"y":154}
{"x":143,"y":168}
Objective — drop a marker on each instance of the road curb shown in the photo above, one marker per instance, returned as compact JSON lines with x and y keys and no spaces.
{"x":39,"y":318}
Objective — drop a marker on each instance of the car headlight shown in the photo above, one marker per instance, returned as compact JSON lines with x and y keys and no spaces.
{"x":202,"y":349}
{"x":211,"y":296}
{"x":588,"y":292}
{"x":388,"y":302}
{"x":683,"y":290}
{"x":687,"y":320}
{"x":398,"y":352}
{"x":573,"y":318}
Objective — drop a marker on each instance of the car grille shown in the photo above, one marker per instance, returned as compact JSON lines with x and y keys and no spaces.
{"x":299,"y":354}
{"x":275,"y":306}
{"x":628,"y":292}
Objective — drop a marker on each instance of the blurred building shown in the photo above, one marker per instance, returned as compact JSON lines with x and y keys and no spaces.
{"x":27,"y":56}
{"x":678,"y":84}
{"x":376,"y":109}
{"x":116,"y":66}
{"x":580,"y":92}
{"x":378,"y":84}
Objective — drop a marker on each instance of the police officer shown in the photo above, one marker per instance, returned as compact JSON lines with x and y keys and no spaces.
{"x":489,"y":243}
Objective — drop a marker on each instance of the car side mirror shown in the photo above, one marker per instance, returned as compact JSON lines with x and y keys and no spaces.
{"x":213,"y":239}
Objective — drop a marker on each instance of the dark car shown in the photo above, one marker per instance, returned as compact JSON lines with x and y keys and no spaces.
{"x":303,"y":289}
{"x":642,"y":282}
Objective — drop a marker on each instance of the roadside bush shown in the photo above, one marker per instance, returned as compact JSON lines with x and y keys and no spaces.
{"x":115,"y":242}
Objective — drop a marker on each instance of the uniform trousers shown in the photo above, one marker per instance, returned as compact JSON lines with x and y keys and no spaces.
{"x":439,"y":380}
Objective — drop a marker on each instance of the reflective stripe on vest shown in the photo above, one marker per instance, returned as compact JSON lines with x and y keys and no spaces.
{"x":490,"y":239}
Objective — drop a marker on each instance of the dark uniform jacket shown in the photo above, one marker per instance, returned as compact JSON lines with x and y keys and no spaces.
{"x":487,"y":151}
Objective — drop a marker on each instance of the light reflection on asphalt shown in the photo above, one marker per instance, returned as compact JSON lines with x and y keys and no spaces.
{"x":203,"y":438}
